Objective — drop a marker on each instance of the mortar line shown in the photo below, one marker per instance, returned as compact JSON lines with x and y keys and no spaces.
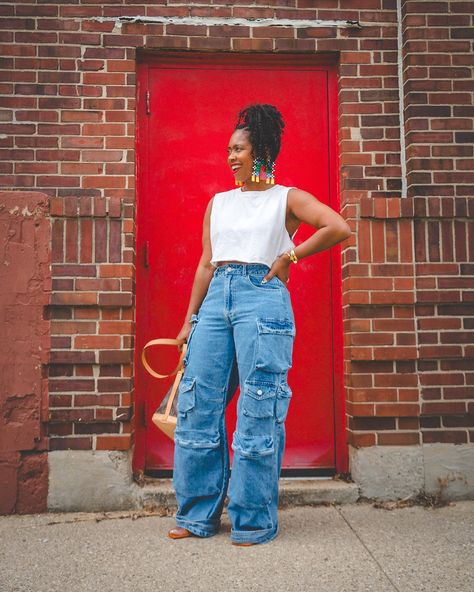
{"x":401,"y":101}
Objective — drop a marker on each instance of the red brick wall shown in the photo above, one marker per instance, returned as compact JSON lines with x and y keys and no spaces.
{"x":67,"y":128}
{"x":437,"y":64}
{"x":439,"y":154}
{"x":444,"y":245}
{"x":92,"y":324}
{"x":408,"y":285}
{"x":440,"y":138}
{"x":380,"y":326}
{"x":25,"y":287}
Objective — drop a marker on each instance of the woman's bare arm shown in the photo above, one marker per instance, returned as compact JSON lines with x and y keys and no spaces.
{"x":202,"y":276}
{"x":331,"y":229}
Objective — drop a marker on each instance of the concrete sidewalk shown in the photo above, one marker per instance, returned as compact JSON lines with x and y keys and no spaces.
{"x":337,"y":548}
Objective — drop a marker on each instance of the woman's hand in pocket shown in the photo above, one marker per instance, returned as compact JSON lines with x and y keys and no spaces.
{"x":280,"y":268}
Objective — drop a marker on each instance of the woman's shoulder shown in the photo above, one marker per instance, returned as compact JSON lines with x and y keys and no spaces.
{"x":220,"y":200}
{"x":220,"y":195}
{"x":291,"y":192}
{"x":223,"y":192}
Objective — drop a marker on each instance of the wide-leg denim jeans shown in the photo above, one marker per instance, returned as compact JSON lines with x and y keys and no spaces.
{"x":242,"y":334}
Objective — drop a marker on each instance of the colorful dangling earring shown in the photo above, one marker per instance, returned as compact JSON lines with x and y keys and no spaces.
{"x":270,"y":172}
{"x":256,"y":170}
{"x":258,"y":163}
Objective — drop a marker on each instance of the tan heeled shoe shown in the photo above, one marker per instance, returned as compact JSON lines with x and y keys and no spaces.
{"x":178,"y":532}
{"x":242,"y":544}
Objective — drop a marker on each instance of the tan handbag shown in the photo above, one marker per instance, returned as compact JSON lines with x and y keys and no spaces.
{"x":166,"y":415}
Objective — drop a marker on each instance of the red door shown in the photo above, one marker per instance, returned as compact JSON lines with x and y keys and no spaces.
{"x":187,"y":106}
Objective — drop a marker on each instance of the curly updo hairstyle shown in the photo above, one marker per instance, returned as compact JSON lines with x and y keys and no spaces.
{"x":265,"y":126}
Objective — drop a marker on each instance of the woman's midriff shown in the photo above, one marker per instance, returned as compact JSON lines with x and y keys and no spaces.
{"x":221,"y":263}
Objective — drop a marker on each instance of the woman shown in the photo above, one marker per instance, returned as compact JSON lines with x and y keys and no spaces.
{"x":240,"y":330}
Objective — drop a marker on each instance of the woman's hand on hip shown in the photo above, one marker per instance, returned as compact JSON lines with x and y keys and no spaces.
{"x":281,"y":268}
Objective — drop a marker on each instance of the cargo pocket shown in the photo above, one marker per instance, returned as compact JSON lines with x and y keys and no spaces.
{"x":194,"y":321}
{"x":259,"y":399}
{"x":252,"y":446}
{"x":253,"y":470}
{"x":274,"y":346}
{"x":197,"y":462}
{"x":284,"y":395}
{"x":186,"y":394}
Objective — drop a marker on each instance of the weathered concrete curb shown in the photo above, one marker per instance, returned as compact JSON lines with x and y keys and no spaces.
{"x":158,"y":494}
{"x":306,"y":492}
{"x":95,"y":481}
{"x":101,"y":481}
{"x":388,"y":473}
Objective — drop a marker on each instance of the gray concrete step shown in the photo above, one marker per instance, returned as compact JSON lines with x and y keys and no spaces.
{"x":158,"y":494}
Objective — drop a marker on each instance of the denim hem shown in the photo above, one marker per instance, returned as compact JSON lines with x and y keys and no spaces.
{"x":191,"y":526}
{"x":245,"y":536}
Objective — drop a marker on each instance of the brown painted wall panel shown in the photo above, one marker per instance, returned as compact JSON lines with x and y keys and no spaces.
{"x":25,"y":286}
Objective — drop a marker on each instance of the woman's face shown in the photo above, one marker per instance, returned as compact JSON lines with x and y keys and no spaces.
{"x":240,"y":157}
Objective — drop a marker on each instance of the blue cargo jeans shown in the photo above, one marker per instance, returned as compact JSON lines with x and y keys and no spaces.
{"x":242,"y":334}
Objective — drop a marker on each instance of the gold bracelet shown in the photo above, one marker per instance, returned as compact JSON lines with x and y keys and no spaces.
{"x":292,"y":255}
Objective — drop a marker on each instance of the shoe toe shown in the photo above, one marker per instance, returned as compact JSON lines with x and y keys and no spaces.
{"x":178,"y":532}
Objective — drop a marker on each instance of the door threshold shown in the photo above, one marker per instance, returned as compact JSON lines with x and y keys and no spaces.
{"x":158,"y":494}
{"x":285,"y":473}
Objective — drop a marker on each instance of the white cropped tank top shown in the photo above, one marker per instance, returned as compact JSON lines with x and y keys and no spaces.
{"x":249,"y":226}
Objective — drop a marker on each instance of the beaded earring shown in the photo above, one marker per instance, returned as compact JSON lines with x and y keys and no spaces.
{"x":257,"y":165}
{"x":270,"y":172}
{"x":269,"y":167}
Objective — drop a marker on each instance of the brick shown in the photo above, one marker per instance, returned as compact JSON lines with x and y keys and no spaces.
{"x":71,"y":443}
{"x":207,"y":43}
{"x":96,"y":342}
{"x":359,"y":440}
{"x":399,"y":439}
{"x":122,"y":442}
{"x":79,"y":298}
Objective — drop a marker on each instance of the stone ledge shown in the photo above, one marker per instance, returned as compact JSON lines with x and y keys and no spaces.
{"x":304,"y":492}
{"x":91,"y":481}
{"x":387,"y":208}
{"x":386,"y":473}
{"x":158,"y":494}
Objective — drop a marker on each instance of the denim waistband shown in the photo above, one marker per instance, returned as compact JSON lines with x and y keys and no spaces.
{"x":241,"y":268}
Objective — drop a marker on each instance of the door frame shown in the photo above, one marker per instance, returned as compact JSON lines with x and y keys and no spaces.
{"x":327,"y":61}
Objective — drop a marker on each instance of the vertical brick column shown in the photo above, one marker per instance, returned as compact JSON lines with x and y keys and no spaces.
{"x":380,"y":327}
{"x":444,"y":247}
{"x":92,"y":324}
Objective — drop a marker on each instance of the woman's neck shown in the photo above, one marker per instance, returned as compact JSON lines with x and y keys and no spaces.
{"x":254,"y":186}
